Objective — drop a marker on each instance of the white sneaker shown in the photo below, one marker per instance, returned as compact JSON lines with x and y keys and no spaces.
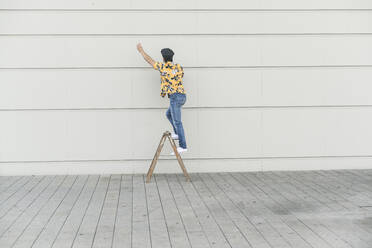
{"x":179,"y":150}
{"x":174,"y":136}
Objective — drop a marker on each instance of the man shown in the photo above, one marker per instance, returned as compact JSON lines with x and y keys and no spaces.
{"x":171,"y":76}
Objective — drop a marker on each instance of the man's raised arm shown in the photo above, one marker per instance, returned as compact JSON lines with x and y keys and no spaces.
{"x":145,"y":55}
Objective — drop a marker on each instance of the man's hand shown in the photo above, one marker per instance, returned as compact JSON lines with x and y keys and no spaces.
{"x":145,"y":55}
{"x":139,"y":48}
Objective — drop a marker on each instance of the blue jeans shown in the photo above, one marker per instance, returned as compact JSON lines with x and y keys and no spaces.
{"x":177,"y":100}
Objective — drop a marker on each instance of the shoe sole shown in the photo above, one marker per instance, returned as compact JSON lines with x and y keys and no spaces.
{"x":178,"y":153}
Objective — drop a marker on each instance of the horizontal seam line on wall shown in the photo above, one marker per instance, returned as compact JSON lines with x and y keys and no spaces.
{"x":163,"y":108}
{"x":187,"y":67}
{"x":190,"y":159}
{"x":186,"y":34}
{"x":183,"y":10}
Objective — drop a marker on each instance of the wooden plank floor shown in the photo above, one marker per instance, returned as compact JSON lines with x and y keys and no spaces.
{"x":308,"y":209}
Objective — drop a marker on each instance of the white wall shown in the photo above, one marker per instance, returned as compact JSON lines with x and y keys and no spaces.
{"x":272,"y":85}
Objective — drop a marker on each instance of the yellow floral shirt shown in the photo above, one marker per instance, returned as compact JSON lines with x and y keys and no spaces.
{"x":171,"y":78}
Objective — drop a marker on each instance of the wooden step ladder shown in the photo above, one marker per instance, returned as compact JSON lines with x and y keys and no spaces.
{"x":166,"y":135}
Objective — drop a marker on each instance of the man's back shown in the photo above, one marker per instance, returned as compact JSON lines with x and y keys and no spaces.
{"x":171,"y":77}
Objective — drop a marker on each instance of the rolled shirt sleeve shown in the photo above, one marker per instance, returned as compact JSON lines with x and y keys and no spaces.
{"x":157,"y":66}
{"x":180,"y":71}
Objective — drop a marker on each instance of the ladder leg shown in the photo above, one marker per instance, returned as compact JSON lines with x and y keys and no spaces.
{"x":155,"y":159}
{"x":173,"y":144}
